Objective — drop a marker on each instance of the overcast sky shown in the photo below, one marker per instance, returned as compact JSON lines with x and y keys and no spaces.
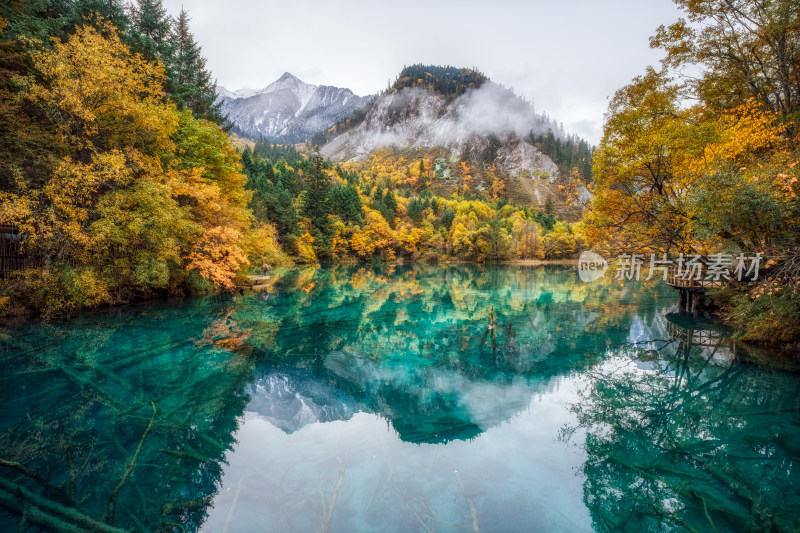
{"x":568,"y":56}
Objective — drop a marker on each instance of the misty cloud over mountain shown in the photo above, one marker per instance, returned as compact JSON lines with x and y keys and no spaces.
{"x":418,"y":117}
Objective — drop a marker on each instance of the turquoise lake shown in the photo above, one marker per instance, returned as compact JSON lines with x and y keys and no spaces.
{"x":394,"y":399}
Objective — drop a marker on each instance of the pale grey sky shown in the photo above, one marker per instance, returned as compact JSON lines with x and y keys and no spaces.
{"x":567,"y":56}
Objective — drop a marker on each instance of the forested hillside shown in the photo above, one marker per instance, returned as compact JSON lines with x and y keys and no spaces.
{"x":707,"y":162}
{"x":113,"y":171}
{"x":449,"y":119}
{"x":119,"y":184}
{"x":452,"y":107}
{"x":384,"y":208}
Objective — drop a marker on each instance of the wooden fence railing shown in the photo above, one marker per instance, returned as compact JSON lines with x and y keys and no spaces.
{"x":694,"y":279}
{"x":11,"y":257}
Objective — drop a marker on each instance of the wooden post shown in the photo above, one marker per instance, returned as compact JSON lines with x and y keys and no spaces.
{"x":681,"y":299}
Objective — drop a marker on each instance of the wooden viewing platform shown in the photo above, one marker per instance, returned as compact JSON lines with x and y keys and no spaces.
{"x":692,"y":284}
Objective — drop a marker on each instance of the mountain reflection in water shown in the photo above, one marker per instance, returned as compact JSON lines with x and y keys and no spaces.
{"x":380,"y":399}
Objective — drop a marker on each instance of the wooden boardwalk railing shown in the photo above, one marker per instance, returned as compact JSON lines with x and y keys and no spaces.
{"x":694,"y":280}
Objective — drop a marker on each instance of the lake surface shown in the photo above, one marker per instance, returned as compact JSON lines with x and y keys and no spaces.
{"x":381,"y":399}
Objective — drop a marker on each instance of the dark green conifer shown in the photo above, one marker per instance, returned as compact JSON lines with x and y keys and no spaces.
{"x":192,"y":84}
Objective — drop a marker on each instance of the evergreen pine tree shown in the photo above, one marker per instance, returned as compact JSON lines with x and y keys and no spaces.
{"x":391,"y":205}
{"x":415,"y":208}
{"x":346,"y":203}
{"x":154,"y":28}
{"x":448,"y":215}
{"x":316,"y":204}
{"x":549,"y":143}
{"x":108,"y":10}
{"x":247,"y":160}
{"x":43,"y":19}
{"x":152,"y":36}
{"x":192,"y":83}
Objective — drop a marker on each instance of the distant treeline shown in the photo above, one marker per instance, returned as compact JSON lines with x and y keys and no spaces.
{"x":449,"y":81}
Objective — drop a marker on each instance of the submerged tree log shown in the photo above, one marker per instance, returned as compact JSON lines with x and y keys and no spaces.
{"x":47,"y":513}
{"x":112,"y":501}
{"x":25,"y":470}
{"x":185,"y":455}
{"x":332,"y":506}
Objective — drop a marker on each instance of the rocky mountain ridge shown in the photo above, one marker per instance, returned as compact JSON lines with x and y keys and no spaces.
{"x":288,"y":110}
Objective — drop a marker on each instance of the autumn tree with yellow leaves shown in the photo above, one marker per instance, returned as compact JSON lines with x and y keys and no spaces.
{"x":374,"y":213}
{"x":709,"y":163}
{"x":144,"y":198}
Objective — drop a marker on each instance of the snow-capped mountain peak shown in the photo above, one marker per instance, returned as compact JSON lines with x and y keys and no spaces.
{"x":288,"y":109}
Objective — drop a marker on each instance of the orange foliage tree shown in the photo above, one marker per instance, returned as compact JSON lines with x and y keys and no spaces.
{"x":143,"y":195}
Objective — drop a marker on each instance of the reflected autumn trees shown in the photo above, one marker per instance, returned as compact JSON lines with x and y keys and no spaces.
{"x":124,"y":419}
{"x":414,"y":344}
{"x":686,"y":435}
